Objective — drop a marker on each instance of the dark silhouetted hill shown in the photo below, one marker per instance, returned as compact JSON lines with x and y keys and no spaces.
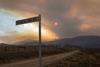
{"x":3,"y":44}
{"x":80,"y":41}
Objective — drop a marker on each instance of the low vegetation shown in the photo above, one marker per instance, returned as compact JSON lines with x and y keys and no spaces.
{"x":84,"y":58}
{"x":16,"y":53}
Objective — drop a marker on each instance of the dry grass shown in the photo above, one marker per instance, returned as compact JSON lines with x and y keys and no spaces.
{"x":17,"y":53}
{"x":87,"y":58}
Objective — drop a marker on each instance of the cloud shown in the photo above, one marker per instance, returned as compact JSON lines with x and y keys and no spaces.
{"x":88,"y":13}
{"x":7,"y":21}
{"x":10,"y":32}
{"x":1,"y":32}
{"x":74,"y":16}
{"x":25,"y":36}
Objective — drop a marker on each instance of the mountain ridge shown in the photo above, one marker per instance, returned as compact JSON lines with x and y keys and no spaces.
{"x":79,"y":41}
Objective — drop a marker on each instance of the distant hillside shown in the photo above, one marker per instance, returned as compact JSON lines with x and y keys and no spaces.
{"x":80,"y":41}
{"x":2,"y":44}
{"x":28,"y":43}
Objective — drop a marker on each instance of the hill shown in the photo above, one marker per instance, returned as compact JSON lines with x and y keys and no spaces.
{"x":80,"y":41}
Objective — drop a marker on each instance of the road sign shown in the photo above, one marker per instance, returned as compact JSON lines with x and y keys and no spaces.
{"x":30,"y":20}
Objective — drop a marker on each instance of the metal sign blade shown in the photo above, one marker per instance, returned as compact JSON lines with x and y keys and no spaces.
{"x":29,"y":20}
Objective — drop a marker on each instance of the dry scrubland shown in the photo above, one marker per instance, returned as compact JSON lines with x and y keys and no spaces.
{"x":84,"y":58}
{"x":10,"y":54}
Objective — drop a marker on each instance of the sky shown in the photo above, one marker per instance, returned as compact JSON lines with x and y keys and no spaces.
{"x":60,"y":18}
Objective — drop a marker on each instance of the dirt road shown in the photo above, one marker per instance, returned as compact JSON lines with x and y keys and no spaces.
{"x":34,"y":62}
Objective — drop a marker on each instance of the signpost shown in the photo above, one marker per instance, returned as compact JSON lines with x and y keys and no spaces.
{"x":30,"y":20}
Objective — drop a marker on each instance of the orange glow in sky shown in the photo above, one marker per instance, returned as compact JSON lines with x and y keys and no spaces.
{"x":30,"y":31}
{"x":47,"y":34}
{"x":85,"y":27}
